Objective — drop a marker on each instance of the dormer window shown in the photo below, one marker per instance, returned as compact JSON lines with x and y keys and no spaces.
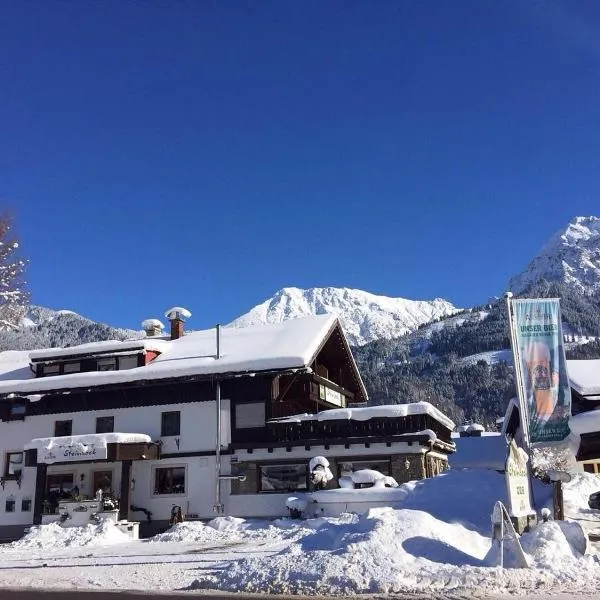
{"x":107,"y":364}
{"x":50,"y":370}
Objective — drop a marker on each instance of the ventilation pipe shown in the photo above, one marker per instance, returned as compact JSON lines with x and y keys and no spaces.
{"x":152,"y":327}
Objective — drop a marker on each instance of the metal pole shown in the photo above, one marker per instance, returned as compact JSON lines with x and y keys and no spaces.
{"x":218,"y":507}
{"x":518,"y":374}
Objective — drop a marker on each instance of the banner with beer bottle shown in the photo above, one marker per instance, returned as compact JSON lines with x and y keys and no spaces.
{"x":544,"y":383}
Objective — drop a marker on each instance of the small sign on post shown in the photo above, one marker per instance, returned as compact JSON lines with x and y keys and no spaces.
{"x":517,"y":488}
{"x":558,"y":478}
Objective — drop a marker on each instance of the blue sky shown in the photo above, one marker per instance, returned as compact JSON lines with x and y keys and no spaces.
{"x":209,"y":153}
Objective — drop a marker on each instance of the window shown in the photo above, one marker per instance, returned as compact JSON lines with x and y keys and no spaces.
{"x":17,"y":410}
{"x":59,"y":486}
{"x":63,"y":428}
{"x":71,"y":367}
{"x":170,"y":423}
{"x":283,"y":478}
{"x":107,"y":364}
{"x":170,"y":480}
{"x":14,"y":465}
{"x":250,"y":415}
{"x":127,"y":362}
{"x":105,"y":424}
{"x":26,"y":505}
{"x":346,"y":468}
{"x":9,"y":506}
{"x":50,"y":369}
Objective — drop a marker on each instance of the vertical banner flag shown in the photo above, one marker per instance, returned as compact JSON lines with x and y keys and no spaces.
{"x":541,"y":354}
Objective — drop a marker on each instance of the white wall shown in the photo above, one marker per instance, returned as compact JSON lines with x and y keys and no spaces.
{"x":198,"y":434}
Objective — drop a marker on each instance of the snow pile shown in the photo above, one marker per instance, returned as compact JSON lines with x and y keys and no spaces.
{"x":577,"y":492}
{"x":438,"y":538}
{"x":214,"y":532}
{"x":53,"y":536}
{"x":375,"y":478}
{"x":384,"y":551}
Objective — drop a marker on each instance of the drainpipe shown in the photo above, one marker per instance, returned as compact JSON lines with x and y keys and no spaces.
{"x":425,"y":460}
{"x":218,"y":507}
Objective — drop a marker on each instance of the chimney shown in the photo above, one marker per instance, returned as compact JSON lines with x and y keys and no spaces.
{"x":152,"y":327}
{"x":176,"y":316}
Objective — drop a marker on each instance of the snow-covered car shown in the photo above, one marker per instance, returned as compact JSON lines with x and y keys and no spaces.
{"x":594,"y":500}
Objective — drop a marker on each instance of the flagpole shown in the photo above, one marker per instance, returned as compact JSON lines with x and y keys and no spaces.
{"x":524,"y":413}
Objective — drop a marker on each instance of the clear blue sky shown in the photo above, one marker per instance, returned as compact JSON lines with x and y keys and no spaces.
{"x":209,"y":153}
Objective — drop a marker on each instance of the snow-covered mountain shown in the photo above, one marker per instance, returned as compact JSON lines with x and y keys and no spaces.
{"x":571,"y":256}
{"x":46,"y":328}
{"x":365,"y":317}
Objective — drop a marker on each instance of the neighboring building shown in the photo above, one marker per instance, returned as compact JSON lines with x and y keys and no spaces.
{"x":584,"y":376}
{"x":584,"y":379}
{"x":202,"y":421}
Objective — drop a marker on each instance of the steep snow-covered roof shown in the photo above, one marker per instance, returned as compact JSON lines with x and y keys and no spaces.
{"x":584,"y":376}
{"x":373,"y":412}
{"x":288,"y":345}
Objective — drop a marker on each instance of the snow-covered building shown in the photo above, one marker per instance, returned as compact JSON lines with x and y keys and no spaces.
{"x":204,"y":421}
{"x":584,"y":376}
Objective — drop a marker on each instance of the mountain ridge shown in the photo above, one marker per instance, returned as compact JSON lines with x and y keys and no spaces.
{"x":365,"y":316}
{"x":571,"y":257}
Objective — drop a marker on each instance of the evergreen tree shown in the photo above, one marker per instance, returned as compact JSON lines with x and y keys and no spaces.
{"x":13,"y":294}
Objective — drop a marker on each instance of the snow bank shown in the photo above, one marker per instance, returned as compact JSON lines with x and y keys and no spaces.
{"x":53,"y":537}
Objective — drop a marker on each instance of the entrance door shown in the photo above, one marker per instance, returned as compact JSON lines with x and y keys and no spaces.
{"x":102,"y":480}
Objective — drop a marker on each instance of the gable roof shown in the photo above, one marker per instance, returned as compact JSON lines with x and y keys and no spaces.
{"x":289,"y":345}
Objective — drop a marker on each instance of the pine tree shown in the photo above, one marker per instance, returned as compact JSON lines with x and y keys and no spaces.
{"x":13,"y":294}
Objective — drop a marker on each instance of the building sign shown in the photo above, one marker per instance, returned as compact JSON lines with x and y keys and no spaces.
{"x":331,"y":396}
{"x":517,"y":481}
{"x":72,"y":453}
{"x":542,"y":377}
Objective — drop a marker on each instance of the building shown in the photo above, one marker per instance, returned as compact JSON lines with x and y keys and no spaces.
{"x":203,"y":421}
{"x":584,"y":376}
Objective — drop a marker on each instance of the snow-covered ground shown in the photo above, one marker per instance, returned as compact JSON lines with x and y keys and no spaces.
{"x":437,"y":540}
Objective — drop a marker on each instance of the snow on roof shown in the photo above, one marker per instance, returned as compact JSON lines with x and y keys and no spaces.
{"x":486,"y":452}
{"x":584,"y":376}
{"x":586,"y":422}
{"x":14,"y":364}
{"x":372,"y":412}
{"x":156,"y":345}
{"x":288,"y":345}
{"x":90,"y":439}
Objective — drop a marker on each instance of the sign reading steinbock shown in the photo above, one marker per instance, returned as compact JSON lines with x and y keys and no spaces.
{"x":541,"y":355}
{"x":72,"y":453}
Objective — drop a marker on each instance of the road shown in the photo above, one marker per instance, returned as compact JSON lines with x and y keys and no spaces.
{"x":34,"y":594}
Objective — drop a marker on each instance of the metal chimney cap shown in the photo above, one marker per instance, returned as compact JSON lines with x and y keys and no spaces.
{"x":152,"y":324}
{"x":178,"y":312}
